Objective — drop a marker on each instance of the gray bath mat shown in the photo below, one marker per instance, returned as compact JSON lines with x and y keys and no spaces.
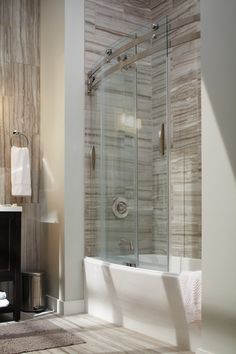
{"x":32,"y":335}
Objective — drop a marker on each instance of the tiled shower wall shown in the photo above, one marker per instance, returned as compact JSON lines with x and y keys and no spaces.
{"x":19,"y":109}
{"x":106,"y":22}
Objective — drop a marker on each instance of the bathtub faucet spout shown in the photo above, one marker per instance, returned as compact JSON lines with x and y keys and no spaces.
{"x":124,"y":242}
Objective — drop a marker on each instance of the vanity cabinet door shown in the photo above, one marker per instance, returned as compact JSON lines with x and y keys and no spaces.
{"x":10,"y":257}
{"x":5,"y":243}
{"x":10,"y":225}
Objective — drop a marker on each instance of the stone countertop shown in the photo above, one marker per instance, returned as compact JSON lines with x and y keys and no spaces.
{"x":10,"y":208}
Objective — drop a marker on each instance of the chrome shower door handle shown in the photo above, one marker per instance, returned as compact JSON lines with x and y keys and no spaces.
{"x":162,"y":139}
{"x":93,"y":157}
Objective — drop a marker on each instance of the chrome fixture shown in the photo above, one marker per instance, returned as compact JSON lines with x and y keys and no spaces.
{"x":108,"y":52}
{"x":94,"y":78}
{"x":90,"y":80}
{"x":155,"y":26}
{"x":120,"y":207}
{"x":123,"y":242}
{"x":162,"y":139}
{"x":154,"y":36}
{"x":130,"y":264}
{"x":17,"y":133}
{"x":122,"y":57}
{"x":93,"y":157}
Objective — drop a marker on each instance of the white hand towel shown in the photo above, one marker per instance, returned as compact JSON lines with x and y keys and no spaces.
{"x":4,"y":303}
{"x":3,"y":295}
{"x":191,"y":288}
{"x":20,"y":171}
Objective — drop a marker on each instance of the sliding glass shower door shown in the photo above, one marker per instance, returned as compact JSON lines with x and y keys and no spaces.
{"x":132,"y":104}
{"x":119,"y":166}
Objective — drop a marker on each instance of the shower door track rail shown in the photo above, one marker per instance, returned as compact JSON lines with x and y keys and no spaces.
{"x":146,"y":53}
{"x":93,"y":80}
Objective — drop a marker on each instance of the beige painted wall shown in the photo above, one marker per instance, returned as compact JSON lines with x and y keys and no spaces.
{"x":74,"y":149}
{"x":219,"y":175}
{"x":52,"y":130}
{"x":62,"y":142}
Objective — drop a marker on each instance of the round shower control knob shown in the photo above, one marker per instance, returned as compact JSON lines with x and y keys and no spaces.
{"x":120,"y":207}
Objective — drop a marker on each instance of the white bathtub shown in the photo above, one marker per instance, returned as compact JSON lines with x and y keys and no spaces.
{"x":146,"y":301}
{"x":160,"y":262}
{"x":177,"y":264}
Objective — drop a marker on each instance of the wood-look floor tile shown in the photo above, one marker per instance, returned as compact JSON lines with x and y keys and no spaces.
{"x":104,"y":338}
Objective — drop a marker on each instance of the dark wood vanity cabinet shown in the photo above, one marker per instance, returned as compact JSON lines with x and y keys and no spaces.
{"x":10,"y":257}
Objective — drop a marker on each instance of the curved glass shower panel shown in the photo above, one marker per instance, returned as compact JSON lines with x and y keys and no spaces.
{"x":131,"y":94}
{"x":119,"y":166}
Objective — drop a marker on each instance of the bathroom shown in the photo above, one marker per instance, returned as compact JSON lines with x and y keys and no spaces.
{"x":127,"y":110}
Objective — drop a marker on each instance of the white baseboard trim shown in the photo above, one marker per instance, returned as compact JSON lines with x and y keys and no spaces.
{"x":65,"y":307}
{"x":52,"y":303}
{"x":71,"y":307}
{"x":202,"y":351}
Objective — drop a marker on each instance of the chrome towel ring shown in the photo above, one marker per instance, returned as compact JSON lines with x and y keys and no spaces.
{"x":16,"y":133}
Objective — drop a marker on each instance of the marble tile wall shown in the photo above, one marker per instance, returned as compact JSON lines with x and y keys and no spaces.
{"x":19,"y":109}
